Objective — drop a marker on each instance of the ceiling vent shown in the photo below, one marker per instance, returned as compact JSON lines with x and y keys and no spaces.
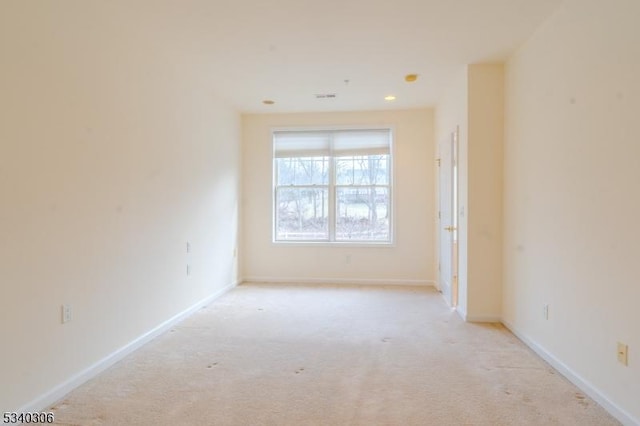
{"x":325,"y":95}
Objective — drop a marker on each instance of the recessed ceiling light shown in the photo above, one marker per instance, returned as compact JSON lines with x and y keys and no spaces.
{"x":268,"y":102}
{"x":410,"y":78}
{"x":390,"y":98}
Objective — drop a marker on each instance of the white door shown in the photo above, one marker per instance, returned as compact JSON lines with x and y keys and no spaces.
{"x":447,"y":219}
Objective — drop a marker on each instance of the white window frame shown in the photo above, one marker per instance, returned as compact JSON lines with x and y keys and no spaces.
{"x":332,"y":191}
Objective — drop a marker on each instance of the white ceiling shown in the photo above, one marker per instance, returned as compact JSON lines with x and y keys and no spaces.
{"x":290,"y":50}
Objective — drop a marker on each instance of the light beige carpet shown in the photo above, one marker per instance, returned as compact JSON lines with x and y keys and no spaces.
{"x":323,"y":355}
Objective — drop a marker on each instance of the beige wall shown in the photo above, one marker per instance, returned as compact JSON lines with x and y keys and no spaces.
{"x":484,"y":180}
{"x":410,"y":260}
{"x":474,"y":103}
{"x":571,"y":194}
{"x":113,"y":154}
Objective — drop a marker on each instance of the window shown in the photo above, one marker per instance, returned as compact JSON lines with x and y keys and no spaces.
{"x":332,"y":186}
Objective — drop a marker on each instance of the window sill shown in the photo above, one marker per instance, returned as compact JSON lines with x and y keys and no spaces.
{"x":345,"y":244}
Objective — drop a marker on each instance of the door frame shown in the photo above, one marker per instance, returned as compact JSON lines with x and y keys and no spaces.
{"x":447,"y":227}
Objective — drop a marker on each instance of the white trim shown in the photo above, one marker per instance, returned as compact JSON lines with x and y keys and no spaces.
{"x":624,"y":417}
{"x":329,"y":128}
{"x":58,"y":392}
{"x":345,"y":281}
{"x":346,"y":244}
{"x":437,"y":287}
{"x":461,"y":312}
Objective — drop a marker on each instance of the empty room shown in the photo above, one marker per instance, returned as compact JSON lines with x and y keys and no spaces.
{"x":419,"y":212}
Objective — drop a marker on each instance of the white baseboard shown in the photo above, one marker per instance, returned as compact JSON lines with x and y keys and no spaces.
{"x":586,"y":387}
{"x":344,"y":281}
{"x":49,"y":398}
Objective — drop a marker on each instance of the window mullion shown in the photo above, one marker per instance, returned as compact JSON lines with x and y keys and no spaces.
{"x":276,"y":186}
{"x":332,"y":193}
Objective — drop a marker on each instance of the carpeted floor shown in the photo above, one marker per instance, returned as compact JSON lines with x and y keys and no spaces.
{"x":327,"y":355}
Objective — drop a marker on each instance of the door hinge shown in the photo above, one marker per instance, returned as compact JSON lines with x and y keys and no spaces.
{"x":438,"y":162}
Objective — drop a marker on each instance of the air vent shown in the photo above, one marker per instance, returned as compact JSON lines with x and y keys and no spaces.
{"x":325,"y":95}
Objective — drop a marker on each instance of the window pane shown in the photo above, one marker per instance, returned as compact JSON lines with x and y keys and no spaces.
{"x":303,"y":171}
{"x":362,"y":170}
{"x":362,"y":214}
{"x":302,"y":214}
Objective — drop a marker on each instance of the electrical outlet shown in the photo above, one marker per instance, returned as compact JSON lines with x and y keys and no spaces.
{"x":188,"y":247}
{"x":623,"y":352}
{"x":66,"y":313}
{"x":188,"y":270}
{"x":545,"y":311}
